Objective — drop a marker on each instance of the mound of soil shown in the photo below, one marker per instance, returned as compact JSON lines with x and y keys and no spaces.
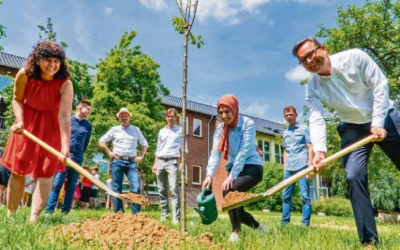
{"x":234,"y":197}
{"x":135,"y":198}
{"x":127,"y":231}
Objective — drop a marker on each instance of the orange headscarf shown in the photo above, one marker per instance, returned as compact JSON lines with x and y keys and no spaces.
{"x":233,"y":104}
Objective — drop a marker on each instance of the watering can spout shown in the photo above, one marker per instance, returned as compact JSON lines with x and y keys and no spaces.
{"x":201,"y":212}
{"x":207,"y":207}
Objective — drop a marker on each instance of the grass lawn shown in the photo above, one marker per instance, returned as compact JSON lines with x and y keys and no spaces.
{"x":325,"y":233}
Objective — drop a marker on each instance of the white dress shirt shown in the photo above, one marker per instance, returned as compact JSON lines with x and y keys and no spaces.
{"x":356,"y":89}
{"x":169,"y":142}
{"x":125,"y":141}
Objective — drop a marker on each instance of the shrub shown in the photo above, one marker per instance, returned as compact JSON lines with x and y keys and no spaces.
{"x":339,"y":185}
{"x":385,"y":191}
{"x":333,"y":206}
{"x":273,"y":174}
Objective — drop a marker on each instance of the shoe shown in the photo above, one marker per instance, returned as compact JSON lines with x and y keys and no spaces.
{"x":262,"y":229}
{"x":175,"y":221}
{"x":234,"y":238}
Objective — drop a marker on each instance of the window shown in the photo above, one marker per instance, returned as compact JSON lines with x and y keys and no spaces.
{"x":263,"y":146}
{"x":197,"y":128}
{"x":278,"y":153}
{"x":196,"y":175}
{"x":187,"y":124}
{"x":153,"y":188}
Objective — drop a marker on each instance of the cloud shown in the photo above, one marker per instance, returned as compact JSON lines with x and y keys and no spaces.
{"x":206,"y":99}
{"x":256,"y":109}
{"x":154,"y":4}
{"x":297,"y":74}
{"x":227,"y":11}
{"x":108,"y":10}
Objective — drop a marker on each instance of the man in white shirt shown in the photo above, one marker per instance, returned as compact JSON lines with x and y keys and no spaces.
{"x":166,"y":165}
{"x":125,"y":140}
{"x":353,"y":85}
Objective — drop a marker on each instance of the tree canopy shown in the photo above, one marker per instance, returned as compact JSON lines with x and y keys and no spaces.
{"x":128,"y":78}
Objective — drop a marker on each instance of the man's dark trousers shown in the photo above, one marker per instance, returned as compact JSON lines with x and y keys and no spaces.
{"x":356,"y":167}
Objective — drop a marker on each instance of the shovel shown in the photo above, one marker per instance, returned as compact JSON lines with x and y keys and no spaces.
{"x":298,"y":176}
{"x":78,"y":168}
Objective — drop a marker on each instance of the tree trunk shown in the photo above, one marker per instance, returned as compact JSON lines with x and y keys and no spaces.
{"x":183,"y":180}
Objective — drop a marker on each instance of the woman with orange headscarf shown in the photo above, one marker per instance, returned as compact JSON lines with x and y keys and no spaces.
{"x":234,"y":140}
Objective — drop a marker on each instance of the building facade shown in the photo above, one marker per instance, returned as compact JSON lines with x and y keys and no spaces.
{"x":202,"y":121}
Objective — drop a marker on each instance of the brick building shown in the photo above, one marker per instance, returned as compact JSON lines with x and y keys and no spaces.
{"x":201,"y":123}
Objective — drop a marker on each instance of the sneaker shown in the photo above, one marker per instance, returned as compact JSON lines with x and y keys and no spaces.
{"x":234,"y":238}
{"x":175,"y":221}
{"x":262,"y":229}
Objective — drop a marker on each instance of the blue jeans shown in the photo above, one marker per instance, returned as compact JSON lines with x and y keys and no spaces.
{"x":129,"y":168}
{"x":305,"y":197}
{"x":58,"y":181}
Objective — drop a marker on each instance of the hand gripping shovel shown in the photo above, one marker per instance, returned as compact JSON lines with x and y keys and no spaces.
{"x":83,"y":172}
{"x":297,"y":176}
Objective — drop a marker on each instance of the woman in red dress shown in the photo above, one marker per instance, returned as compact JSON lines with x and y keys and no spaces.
{"x":42,"y":105}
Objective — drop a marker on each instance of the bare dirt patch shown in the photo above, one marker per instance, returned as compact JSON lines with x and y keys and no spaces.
{"x":127,"y":231}
{"x":135,"y":198}
{"x":234,"y":197}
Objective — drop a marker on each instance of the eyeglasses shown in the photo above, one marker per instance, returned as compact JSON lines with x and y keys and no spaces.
{"x":309,"y":56}
{"x":170,"y":116}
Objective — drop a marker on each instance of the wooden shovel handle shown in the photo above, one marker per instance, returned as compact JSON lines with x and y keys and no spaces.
{"x":69,"y":162}
{"x":309,"y":170}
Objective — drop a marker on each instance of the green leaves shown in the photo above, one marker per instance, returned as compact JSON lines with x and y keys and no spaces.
{"x":81,"y":80}
{"x":385,"y":192}
{"x":128,"y":78}
{"x":179,"y":25}
{"x":2,"y":31}
{"x":49,"y":32}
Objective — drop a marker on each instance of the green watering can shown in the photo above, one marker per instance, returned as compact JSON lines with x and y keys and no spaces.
{"x":207,"y":206}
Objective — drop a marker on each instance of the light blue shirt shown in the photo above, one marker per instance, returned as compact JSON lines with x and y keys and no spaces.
{"x":295,"y":142}
{"x":356,"y":89}
{"x":242,"y":148}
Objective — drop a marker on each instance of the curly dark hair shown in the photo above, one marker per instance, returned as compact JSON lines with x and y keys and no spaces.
{"x":46,"y":49}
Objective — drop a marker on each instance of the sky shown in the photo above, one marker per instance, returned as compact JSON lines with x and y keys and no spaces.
{"x":247,"y":49}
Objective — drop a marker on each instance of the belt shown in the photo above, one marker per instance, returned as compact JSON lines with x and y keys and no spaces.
{"x":168,"y":158}
{"x":125,"y":157}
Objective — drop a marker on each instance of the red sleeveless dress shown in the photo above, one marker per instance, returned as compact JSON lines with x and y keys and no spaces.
{"x":24,"y":157}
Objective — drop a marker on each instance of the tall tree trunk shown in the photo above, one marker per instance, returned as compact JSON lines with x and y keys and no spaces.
{"x":183,"y":179}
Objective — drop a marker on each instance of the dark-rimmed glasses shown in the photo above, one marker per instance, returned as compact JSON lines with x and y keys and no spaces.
{"x":309,"y":56}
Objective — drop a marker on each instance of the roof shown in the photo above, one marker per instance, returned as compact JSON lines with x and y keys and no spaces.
{"x":262,"y":125}
{"x":12,"y":61}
